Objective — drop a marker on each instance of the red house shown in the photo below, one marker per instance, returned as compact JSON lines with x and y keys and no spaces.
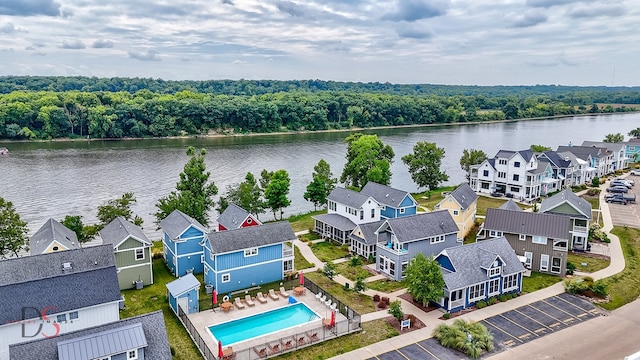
{"x":235,"y":217}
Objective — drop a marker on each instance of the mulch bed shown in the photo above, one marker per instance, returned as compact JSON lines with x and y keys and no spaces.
{"x":591,"y":255}
{"x":415,"y":323}
{"x":409,"y":298}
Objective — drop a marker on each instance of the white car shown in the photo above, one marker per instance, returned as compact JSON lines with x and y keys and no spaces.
{"x":635,"y":172}
{"x":627,"y":182}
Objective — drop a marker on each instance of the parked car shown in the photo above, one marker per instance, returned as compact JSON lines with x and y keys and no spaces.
{"x":497,"y":194}
{"x":616,"y":199}
{"x":635,"y":172}
{"x":617,"y":189}
{"x":620,"y":183}
{"x":625,"y":180}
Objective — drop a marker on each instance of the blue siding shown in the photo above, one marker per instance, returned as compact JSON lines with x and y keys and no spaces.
{"x":192,"y":300}
{"x":189,"y":262}
{"x":445,"y":262}
{"x":249,"y":276}
{"x":237,"y":259}
{"x":169,"y":261}
{"x":173,"y":303}
{"x":192,"y":244}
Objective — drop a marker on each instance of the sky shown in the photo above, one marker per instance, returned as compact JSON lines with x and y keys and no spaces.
{"x":454,"y":42}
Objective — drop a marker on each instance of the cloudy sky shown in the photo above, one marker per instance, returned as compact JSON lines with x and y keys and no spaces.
{"x":471,"y":42}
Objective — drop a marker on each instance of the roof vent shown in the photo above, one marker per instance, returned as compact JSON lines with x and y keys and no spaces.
{"x":66,"y":266}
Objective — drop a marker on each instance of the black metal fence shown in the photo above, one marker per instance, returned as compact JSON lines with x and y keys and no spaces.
{"x":352,"y":316}
{"x":195,"y":336}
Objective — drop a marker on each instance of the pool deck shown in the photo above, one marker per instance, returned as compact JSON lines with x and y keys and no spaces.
{"x":202,"y":320}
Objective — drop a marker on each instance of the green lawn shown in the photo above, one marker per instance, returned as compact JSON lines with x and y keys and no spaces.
{"x":304,"y":221}
{"x":309,"y":236}
{"x":326,"y":251}
{"x":386,"y":286}
{"x":591,"y":264}
{"x":154,"y":297}
{"x":538,"y":281}
{"x":352,"y":273}
{"x":300,"y":261}
{"x":625,"y":286}
{"x":431,"y":199}
{"x":595,"y":206}
{"x":361,"y":303}
{"x":372,"y":332}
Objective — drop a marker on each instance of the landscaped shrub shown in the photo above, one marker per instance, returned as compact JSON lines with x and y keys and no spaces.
{"x":481,"y":304}
{"x":503,"y":297}
{"x":599,"y":288}
{"x":382,"y":305}
{"x":446,"y":316}
{"x":385,"y":300}
{"x":376,"y":297}
{"x":593,"y":191}
{"x":595,"y":233}
{"x":492,"y":301}
{"x":577,"y":285}
{"x":571,"y":267}
{"x":595,"y":182}
{"x":395,"y":309}
{"x":471,"y":338}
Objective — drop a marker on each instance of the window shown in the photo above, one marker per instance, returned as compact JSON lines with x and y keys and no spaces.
{"x":502,"y":161}
{"x":516,"y":177}
{"x":515,"y":189}
{"x":73,"y":315}
{"x":139,"y":254}
{"x":556,"y":263}
{"x":226,"y":278}
{"x":206,"y":270}
{"x":250,"y":252}
{"x":516,"y":164}
{"x":392,"y":268}
{"x":361,"y":214}
{"x":132,"y":354}
{"x":494,"y":233}
{"x":373,"y":213}
{"x":484,"y":185}
{"x":560,"y":244}
{"x":249,"y":220}
{"x":529,"y":259}
{"x":476,"y":292}
{"x":523,"y":237}
{"x":404,"y":268}
{"x":456,"y":212}
{"x":495,"y":271}
{"x":402,"y":211}
{"x":502,"y":174}
{"x":510,"y":282}
{"x":455,"y":295}
{"x":494,"y":286}
{"x":544,"y":262}
{"x":332,"y":205}
{"x":436,"y":239}
{"x":485,"y":173}
{"x":55,"y":248}
{"x":61,"y":318}
{"x":540,"y":240}
{"x":202,"y":258}
{"x":287,"y":265}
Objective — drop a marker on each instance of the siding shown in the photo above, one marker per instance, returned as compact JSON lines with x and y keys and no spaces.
{"x":128,"y":258}
{"x":126,"y":277}
{"x":189,"y":262}
{"x":522,"y":246}
{"x":130,"y":243}
{"x":249,"y":276}
{"x":237,"y":259}
{"x":565,"y":209}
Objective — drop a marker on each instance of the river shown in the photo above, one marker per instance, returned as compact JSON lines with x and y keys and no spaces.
{"x":53,"y":179}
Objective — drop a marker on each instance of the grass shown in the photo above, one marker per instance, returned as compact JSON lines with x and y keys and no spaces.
{"x":592,"y":264}
{"x":154,"y":297}
{"x":361,"y":303}
{"x":372,"y":332}
{"x":386,"y":285}
{"x":625,"y":286}
{"x":326,"y":251}
{"x":538,"y":281}
{"x":352,"y":272}
{"x":431,"y":198}
{"x":309,"y":236}
{"x":595,"y":206}
{"x":304,"y":221}
{"x":300,"y":261}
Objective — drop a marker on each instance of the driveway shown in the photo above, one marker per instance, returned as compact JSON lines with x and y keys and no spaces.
{"x":627,"y":215}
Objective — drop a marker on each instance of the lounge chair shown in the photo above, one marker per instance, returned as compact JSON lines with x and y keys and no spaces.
{"x":286,"y":345}
{"x":260,"y":297}
{"x":272,"y":295}
{"x":323,"y":298}
{"x":283,"y":292}
{"x":261,"y":351}
{"x":228,"y":354}
{"x":248,"y":300}
{"x":313,"y":336}
{"x":328,"y":302}
{"x":301,"y":340}
{"x":318,"y":296}
{"x":238,"y":303}
{"x":334,"y":307}
{"x":274,"y":349}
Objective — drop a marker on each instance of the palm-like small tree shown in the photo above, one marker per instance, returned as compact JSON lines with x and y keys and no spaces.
{"x":471,"y":338}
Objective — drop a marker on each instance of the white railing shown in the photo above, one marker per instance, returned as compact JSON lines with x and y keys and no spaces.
{"x":580,"y":229}
{"x":456,"y":303}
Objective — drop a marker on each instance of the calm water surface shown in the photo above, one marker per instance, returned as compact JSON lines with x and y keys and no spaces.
{"x":51,"y":180}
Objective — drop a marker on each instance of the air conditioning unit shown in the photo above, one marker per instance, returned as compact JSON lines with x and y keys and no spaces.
{"x":66,"y":266}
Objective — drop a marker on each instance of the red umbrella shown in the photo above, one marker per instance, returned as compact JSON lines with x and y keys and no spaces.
{"x":333,"y":318}
{"x":214,"y":297}
{"x":220,"y":352}
{"x":301,"y":278}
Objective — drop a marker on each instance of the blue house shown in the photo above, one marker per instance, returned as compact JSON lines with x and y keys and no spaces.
{"x":182,"y":243}
{"x":395,"y":203}
{"x":183,"y":292}
{"x":246,"y":257}
{"x":478,"y":272}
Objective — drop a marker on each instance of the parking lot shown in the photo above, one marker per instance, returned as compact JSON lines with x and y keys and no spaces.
{"x":627,"y":215}
{"x":511,"y":328}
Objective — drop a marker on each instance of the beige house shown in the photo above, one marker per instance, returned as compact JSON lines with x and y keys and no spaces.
{"x":462,"y":204}
{"x":52,"y":237}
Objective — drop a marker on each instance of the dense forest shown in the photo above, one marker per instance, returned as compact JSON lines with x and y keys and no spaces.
{"x":56,"y":107}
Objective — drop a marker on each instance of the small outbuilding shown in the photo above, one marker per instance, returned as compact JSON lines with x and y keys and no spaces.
{"x":184,"y":293}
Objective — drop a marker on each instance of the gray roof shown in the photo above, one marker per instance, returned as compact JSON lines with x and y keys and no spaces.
{"x":510,"y":205}
{"x":384,"y":194}
{"x":567,"y":196}
{"x":471,"y":261}
{"x":528,"y":223}
{"x":583,"y":152}
{"x":42,"y":280}
{"x":556,"y":159}
{"x":614,"y":147}
{"x":337,"y":221}
{"x":177,"y":222}
{"x":526,"y":154}
{"x":183,"y":284}
{"x":542,"y":166}
{"x":421,"y":226}
{"x":119,"y":230}
{"x":154,"y":331}
{"x":103,"y":344}
{"x":232,"y":217}
{"x":464,"y":195}
{"x":348,"y":197}
{"x":368,"y":231}
{"x":251,"y":237}
{"x":49,"y":232}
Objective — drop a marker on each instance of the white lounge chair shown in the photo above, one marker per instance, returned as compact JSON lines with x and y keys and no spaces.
{"x":318,"y":295}
{"x":328,"y":302}
{"x":323,"y":298}
{"x":248,"y":300}
{"x":238,"y":303}
{"x":283,"y":292}
{"x":272,"y":294}
{"x":260,"y":297}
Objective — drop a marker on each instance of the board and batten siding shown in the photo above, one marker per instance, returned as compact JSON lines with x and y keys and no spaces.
{"x":249,"y":276}
{"x":130,"y":243}
{"x":237,"y":259}
{"x":127,"y":277}
{"x":427,"y":249}
{"x":566,"y":209}
{"x":527,"y":245}
{"x":192,"y":237}
{"x":128,"y":258}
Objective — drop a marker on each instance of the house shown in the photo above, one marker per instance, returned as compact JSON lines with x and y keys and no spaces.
{"x":568,"y":204}
{"x":395,"y":203}
{"x":364,"y":239}
{"x":132,"y":250}
{"x":52,"y":236}
{"x":582,"y":172}
{"x":182,"y":238}
{"x":542,"y":239}
{"x":510,"y":205}
{"x":183,"y":293}
{"x":401,"y":239}
{"x":138,"y":337}
{"x":462,"y":204}
{"x":599,"y":158}
{"x":478,"y":272}
{"x":561,"y":166}
{"x":345,"y":209}
{"x":632,"y":149}
{"x":56,"y":293}
{"x":619,"y":159}
{"x":245,"y":257}
{"x":235,"y":217}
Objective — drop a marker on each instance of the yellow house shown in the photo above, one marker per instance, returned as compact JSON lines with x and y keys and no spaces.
{"x":462,"y":204}
{"x":52,"y":237}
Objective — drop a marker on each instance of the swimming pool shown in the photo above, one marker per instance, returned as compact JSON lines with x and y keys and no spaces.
{"x":261,"y":324}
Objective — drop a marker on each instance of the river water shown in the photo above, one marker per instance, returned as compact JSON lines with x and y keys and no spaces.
{"x":54,"y":179}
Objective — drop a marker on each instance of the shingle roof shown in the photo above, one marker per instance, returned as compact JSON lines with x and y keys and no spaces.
{"x":528,"y":223}
{"x":368,"y":231}
{"x":41,"y":280}
{"x":183,"y":284}
{"x":337,"y":221}
{"x":469,"y":261}
{"x":177,"y":222}
{"x":152,"y":324}
{"x":542,"y":165}
{"x":232,"y":217}
{"x":120,"y":229}
{"x":557,"y":159}
{"x":384,"y":194}
{"x":614,"y":147}
{"x":583,"y":152}
{"x":103,"y":344}
{"x":420,"y":226}
{"x":510,"y":205}
{"x":250,"y":237}
{"x":566,"y":196}
{"x":347,"y":197}
{"x":526,"y":154}
{"x":464,"y":195}
{"x":49,"y":232}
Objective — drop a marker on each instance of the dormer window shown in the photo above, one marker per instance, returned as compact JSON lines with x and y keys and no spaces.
{"x":494,"y":271}
{"x":249,"y":221}
{"x":55,"y":248}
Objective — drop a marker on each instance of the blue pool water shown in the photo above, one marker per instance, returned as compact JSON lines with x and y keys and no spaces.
{"x":261,"y":324}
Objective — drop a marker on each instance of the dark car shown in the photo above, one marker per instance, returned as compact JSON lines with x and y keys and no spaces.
{"x":497,"y":194}
{"x":620,"y":183}
{"x":617,"y":189}
{"x":617,"y":199}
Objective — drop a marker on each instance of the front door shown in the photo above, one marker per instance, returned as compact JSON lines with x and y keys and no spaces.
{"x":183,"y":304}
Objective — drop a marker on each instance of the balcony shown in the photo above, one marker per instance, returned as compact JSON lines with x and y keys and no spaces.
{"x":456,"y":303}
{"x":580,"y":229}
{"x":287,"y":251}
{"x":394,"y":248}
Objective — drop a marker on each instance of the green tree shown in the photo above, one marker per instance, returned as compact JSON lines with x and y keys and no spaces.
{"x":471,"y":157}
{"x":424,"y":165}
{"x":635,"y":133}
{"x":614,"y":138}
{"x":359,"y":285}
{"x":395,"y":309}
{"x":322,"y":184}
{"x":277,"y":191}
{"x":424,"y":280}
{"x":118,"y":207}
{"x":368,"y":159}
{"x":223,"y":204}
{"x":329,"y":270}
{"x":13,"y":231}
{"x":194,"y":193}
{"x":247,"y":195}
{"x":539,"y":148}
{"x":74,"y":223}
{"x":355,"y":261}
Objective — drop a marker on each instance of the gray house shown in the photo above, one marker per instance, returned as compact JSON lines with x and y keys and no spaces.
{"x":364,"y":239}
{"x":138,"y":337}
{"x":52,"y":237}
{"x":570,"y":205}
{"x":401,"y":239}
{"x":510,"y":205}
{"x":541,"y":239}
